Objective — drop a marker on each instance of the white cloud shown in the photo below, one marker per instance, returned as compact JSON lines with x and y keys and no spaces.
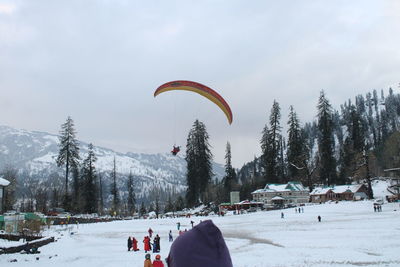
{"x":7,"y":8}
{"x":100,"y":62}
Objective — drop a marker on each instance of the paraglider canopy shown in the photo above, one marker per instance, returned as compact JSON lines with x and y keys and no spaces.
{"x":200,"y":89}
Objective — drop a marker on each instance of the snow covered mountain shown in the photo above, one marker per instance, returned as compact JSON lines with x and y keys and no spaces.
{"x":34,"y":153}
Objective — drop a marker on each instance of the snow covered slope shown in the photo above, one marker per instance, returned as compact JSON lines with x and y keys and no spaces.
{"x":350,"y":234}
{"x":35,"y":153}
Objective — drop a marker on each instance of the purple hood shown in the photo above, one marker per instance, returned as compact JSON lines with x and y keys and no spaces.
{"x":203,"y":246}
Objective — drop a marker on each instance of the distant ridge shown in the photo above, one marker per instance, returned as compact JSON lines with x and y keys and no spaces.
{"x":34,"y":153}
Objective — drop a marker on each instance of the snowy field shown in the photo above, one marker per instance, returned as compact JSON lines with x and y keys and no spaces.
{"x":350,"y":234}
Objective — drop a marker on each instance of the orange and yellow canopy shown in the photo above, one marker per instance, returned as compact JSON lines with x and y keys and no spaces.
{"x":201,"y":89}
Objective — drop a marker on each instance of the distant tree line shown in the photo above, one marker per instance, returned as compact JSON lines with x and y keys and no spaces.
{"x":342,"y":146}
{"x":350,"y":145}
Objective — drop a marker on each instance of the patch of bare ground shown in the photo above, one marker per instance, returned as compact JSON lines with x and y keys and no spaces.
{"x":251,"y":239}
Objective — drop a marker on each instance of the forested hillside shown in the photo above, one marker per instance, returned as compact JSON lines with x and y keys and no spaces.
{"x":353,"y":143}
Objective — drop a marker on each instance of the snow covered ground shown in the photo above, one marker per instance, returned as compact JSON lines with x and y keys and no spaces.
{"x":350,"y":234}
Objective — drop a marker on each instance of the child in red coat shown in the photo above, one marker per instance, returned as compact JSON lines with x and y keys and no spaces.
{"x":158,"y":262}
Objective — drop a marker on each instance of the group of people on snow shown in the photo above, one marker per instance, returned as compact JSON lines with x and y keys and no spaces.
{"x":202,"y":246}
{"x":132,"y":244}
{"x":300,"y":210}
{"x":377,"y":208}
{"x":147,"y":245}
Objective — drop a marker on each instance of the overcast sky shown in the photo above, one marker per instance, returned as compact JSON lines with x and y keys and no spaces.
{"x":101,"y":61}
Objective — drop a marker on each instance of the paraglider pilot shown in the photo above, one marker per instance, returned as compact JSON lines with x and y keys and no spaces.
{"x":175,"y":150}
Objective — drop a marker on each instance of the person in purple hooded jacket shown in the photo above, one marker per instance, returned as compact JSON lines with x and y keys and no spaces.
{"x":199,"y":247}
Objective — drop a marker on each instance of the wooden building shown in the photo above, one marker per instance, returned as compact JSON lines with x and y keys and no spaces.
{"x":293,"y":193}
{"x":338,"y":193}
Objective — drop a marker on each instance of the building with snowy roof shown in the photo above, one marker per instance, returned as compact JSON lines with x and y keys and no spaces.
{"x":338,"y":193}
{"x":282,"y":194}
{"x":3,"y":184}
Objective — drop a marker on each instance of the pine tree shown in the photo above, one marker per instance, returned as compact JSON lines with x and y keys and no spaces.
{"x":89,"y":182}
{"x":368,"y":178}
{"x":114,"y":190}
{"x":348,"y":163}
{"x":68,"y":154}
{"x":326,"y":141}
{"x":391,"y":106}
{"x":157,"y":207}
{"x":264,"y":149}
{"x":101,"y":198}
{"x":76,"y":191}
{"x":295,"y":146}
{"x":357,"y":131}
{"x":270,"y":145}
{"x":230,"y":174}
{"x":377,"y":116}
{"x":199,"y":168}
{"x":131,"y":195}
{"x":282,"y":168}
{"x":371,"y":122}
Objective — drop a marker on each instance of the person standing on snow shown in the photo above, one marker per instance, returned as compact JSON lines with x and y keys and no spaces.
{"x":147,"y":261}
{"x":157,"y":262}
{"x":157,"y":243}
{"x":129,"y":243}
{"x":150,"y":232}
{"x":154,"y":245}
{"x":170,"y":236}
{"x":178,"y":225}
{"x":134,"y":244}
{"x":147,"y":246}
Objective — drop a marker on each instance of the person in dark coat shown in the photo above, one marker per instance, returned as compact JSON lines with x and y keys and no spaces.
{"x":157,"y":243}
{"x":319,"y":218}
{"x":202,"y":246}
{"x":170,"y":236}
{"x":129,"y":243}
{"x":150,"y":232}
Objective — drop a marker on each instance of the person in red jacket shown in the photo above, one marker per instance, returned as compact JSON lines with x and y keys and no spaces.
{"x":147,"y":246}
{"x":134,"y":244}
{"x":158,"y":262}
